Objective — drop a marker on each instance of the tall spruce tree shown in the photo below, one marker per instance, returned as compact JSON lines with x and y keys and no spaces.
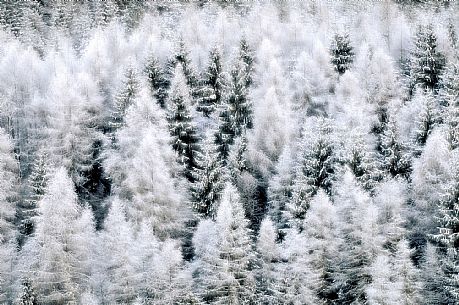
{"x":213,"y":84}
{"x":208,"y":176}
{"x":448,"y":234}
{"x":395,"y":154}
{"x":123,"y":99}
{"x":427,"y":62}
{"x":342,"y":53}
{"x":157,"y":81}
{"x":181,"y":125}
{"x":316,"y":167}
{"x":225,"y":264}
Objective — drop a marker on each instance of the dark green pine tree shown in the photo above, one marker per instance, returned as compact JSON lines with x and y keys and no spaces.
{"x":124,"y":99}
{"x":182,"y":57}
{"x":246,"y":59}
{"x":28,"y":296}
{"x":224,"y":136}
{"x":316,"y":168}
{"x":11,"y":15}
{"x":157,"y":81}
{"x":37,"y":182}
{"x":363,"y":164}
{"x":427,"y":119}
{"x":448,"y":235}
{"x":449,"y":98}
{"x":181,"y":125}
{"x":209,"y":180}
{"x":427,"y":62}
{"x":210,"y":94}
{"x":236,"y":115}
{"x":342,"y":53}
{"x":396,"y":159}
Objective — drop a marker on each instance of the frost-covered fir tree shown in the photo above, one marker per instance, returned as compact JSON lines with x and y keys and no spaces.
{"x":448,"y":233}
{"x":320,"y":230}
{"x":144,"y":172}
{"x":382,"y":290}
{"x":8,"y":197}
{"x":267,"y":275}
{"x":449,"y":97}
{"x":236,"y":112}
{"x":246,"y":59}
{"x":213,"y":85}
{"x":316,"y":167}
{"x":433,"y":278}
{"x":395,"y":154}
{"x":157,"y":81}
{"x":342,"y":53}
{"x":37,"y":183}
{"x":427,"y":62}
{"x":209,"y":177}
{"x":182,"y":57}
{"x":102,"y":12}
{"x":28,"y":296}
{"x":123,"y":99}
{"x":224,"y":265}
{"x":362,"y":162}
{"x":426,"y":121}
{"x":8,"y":194}
{"x":53,"y":258}
{"x":181,"y":125}
{"x":115,"y":280}
{"x":300,"y":282}
{"x":359,"y":240}
{"x":280,"y":190}
{"x":407,"y":281}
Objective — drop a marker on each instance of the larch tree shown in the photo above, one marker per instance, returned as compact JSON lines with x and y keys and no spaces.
{"x":280,"y":190}
{"x":382,"y":289}
{"x":320,"y":230}
{"x":228,"y":278}
{"x":360,"y":242}
{"x":448,"y":232}
{"x":300,"y":282}
{"x":144,"y":172}
{"x":407,"y":281}
{"x":53,"y":256}
{"x":433,"y":278}
{"x":8,"y":196}
{"x":116,"y":280}
{"x":267,"y":273}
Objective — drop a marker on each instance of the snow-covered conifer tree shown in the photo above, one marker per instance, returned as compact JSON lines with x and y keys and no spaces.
{"x":427,"y":62}
{"x":342,"y":53}
{"x":181,"y":124}
{"x":209,"y":178}
{"x":213,"y":85}
{"x":157,"y":81}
